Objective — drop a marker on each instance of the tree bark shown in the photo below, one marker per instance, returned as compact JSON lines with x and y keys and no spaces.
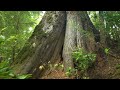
{"x":57,"y":36}
{"x":80,"y":33}
{"x":70,"y":40}
{"x":44,"y":45}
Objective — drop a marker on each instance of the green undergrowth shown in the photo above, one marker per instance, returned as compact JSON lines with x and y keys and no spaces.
{"x":82,"y":61}
{"x":6,"y":72}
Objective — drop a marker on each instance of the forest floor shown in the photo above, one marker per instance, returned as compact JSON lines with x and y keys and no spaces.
{"x":102,"y":69}
{"x":56,"y":72}
{"x":105,"y":69}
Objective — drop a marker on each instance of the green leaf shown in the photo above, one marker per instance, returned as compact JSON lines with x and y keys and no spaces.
{"x":24,"y":76}
{"x":107,"y":50}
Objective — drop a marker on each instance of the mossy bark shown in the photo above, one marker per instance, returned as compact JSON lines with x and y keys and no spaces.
{"x":56,"y":36}
{"x":80,"y":33}
{"x":44,"y":45}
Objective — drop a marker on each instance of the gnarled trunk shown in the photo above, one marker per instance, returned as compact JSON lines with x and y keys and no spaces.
{"x":57,"y":29}
{"x":44,"y":45}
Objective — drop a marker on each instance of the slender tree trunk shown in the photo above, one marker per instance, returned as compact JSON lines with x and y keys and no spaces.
{"x":102,"y":30}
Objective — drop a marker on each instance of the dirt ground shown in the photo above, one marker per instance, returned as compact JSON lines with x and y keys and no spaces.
{"x":55,"y":72}
{"x":102,"y":69}
{"x":105,"y":69}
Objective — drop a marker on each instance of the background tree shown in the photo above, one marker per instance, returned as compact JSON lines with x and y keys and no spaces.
{"x":108,"y":24}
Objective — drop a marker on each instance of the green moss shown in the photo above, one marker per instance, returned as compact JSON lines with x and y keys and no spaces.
{"x":39,"y":33}
{"x":41,"y":26}
{"x":49,"y":19}
{"x":56,"y":15}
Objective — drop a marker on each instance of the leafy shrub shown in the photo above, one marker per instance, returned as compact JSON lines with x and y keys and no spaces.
{"x":71,"y":72}
{"x":82,"y":59}
{"x":106,"y":50}
{"x":7,"y":73}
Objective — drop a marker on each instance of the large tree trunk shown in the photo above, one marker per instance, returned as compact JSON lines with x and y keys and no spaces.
{"x":80,"y":33}
{"x":70,"y":40}
{"x":57,"y":35}
{"x":44,"y":45}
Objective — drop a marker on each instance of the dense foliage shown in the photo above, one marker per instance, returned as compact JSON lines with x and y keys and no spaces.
{"x":109,"y":23}
{"x":15,"y":28}
{"x":82,"y":59}
{"x":6,"y":72}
